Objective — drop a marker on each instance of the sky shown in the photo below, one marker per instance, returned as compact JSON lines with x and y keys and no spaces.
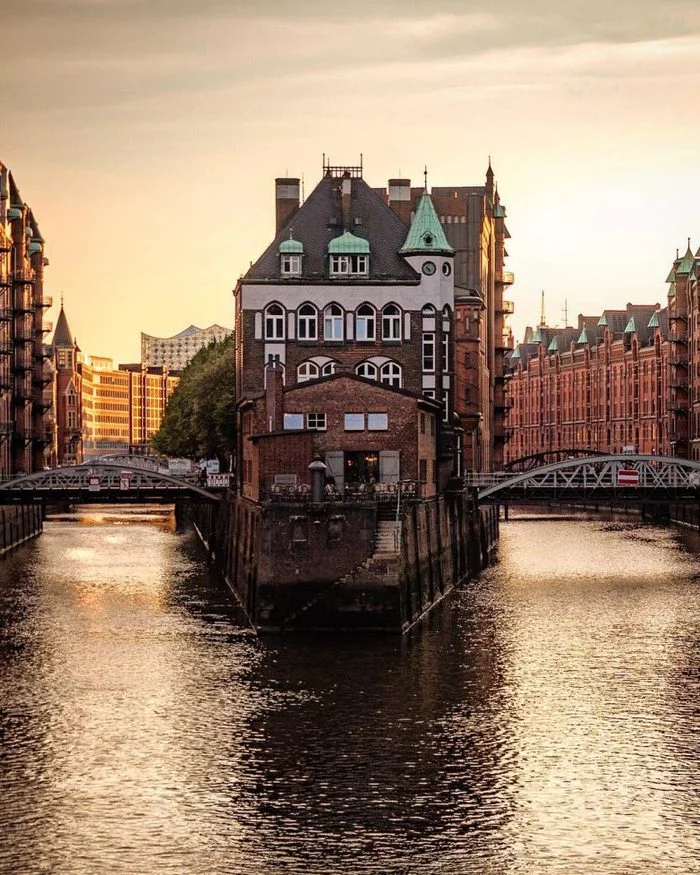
{"x":146,"y":136}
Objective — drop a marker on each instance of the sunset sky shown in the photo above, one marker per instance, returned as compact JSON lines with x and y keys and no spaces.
{"x":146,"y":135}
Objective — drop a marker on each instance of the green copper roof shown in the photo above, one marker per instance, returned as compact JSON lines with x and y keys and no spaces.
{"x":583,"y":337}
{"x":537,"y":336}
{"x":686,"y":263}
{"x":603,"y":321}
{"x":291,"y":247}
{"x":654,"y":321}
{"x":499,"y":212}
{"x":553,"y":346}
{"x":672,"y":273}
{"x":630,"y":327}
{"x":348,"y":244}
{"x":672,"y":290}
{"x":426,"y":234}
{"x":516,"y":353}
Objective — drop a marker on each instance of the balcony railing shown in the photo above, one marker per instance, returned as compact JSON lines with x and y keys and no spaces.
{"x":23,"y":277}
{"x":47,"y":302}
{"x":6,"y":314}
{"x":507,"y":277}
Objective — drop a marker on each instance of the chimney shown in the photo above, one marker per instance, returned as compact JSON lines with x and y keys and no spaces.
{"x":346,"y":189}
{"x":286,"y":201}
{"x":400,"y":198}
{"x":274,"y":394}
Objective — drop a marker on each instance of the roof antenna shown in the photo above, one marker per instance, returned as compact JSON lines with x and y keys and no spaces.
{"x":425,"y":179}
{"x":565,"y":313}
{"x":302,"y":188}
{"x":543,"y":321}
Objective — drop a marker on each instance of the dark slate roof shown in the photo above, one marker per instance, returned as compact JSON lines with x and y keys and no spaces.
{"x":642,"y":313}
{"x":62,"y":335}
{"x":527,"y":351}
{"x":320,"y":219}
{"x":589,"y":324}
{"x":617,"y":321}
{"x":362,"y":381}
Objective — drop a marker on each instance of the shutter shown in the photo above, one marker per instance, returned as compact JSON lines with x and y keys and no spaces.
{"x":335,"y":463}
{"x":389,"y":466}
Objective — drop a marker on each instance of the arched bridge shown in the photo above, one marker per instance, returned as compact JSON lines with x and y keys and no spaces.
{"x":100,"y":481}
{"x":626,"y":478}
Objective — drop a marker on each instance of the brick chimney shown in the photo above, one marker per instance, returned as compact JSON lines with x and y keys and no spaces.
{"x":400,"y":198}
{"x":286,"y":201}
{"x":274,"y":394}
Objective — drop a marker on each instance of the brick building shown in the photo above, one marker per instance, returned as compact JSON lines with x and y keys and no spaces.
{"x":100,"y":409}
{"x":366,"y":432}
{"x":627,"y":378}
{"x":25,"y":433}
{"x":361,"y":281}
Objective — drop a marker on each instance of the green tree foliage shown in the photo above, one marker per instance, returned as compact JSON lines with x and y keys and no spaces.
{"x":200,"y":419}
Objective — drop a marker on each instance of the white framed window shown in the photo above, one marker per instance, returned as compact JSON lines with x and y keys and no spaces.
{"x":445,"y":358}
{"x":349,"y":265}
{"x":293,"y":420}
{"x":307,"y":371}
{"x":391,"y":374}
{"x":377,"y":421}
{"x":290,"y":265}
{"x":333,"y":323}
{"x":328,"y":369}
{"x":365,"y":323}
{"x":307,"y":322}
{"x":428,"y":350}
{"x":367,"y":370}
{"x":354,"y":422}
{"x":316,"y":421}
{"x":274,"y":322}
{"x":446,"y":406}
{"x":391,"y":322}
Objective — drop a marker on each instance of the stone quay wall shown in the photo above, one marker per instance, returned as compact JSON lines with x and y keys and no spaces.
{"x":296,"y":567}
{"x":19,"y":523}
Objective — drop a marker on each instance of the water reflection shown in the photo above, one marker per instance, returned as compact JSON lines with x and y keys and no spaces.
{"x":545,"y":719}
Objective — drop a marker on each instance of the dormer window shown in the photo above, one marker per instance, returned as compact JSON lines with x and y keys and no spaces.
{"x":349,"y":265}
{"x":290,"y":265}
{"x":291,"y":252}
{"x":348,"y":255}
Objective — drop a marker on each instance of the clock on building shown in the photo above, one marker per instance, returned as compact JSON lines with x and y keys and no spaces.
{"x":429,"y":268}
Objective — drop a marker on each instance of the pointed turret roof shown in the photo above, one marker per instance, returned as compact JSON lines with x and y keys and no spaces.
{"x":687,"y":262}
{"x":426,"y":234}
{"x":654,"y":321}
{"x":583,"y":336}
{"x":631,"y":327}
{"x":62,"y":335}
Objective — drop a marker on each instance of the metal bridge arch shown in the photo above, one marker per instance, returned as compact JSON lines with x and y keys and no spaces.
{"x":548,"y":457}
{"x":606,"y":475}
{"x":78,"y":480}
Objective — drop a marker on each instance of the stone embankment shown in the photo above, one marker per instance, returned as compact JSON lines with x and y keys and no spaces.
{"x":348,"y":566}
{"x":19,"y":523}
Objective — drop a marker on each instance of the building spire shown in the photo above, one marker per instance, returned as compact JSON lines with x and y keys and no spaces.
{"x":425,"y":182}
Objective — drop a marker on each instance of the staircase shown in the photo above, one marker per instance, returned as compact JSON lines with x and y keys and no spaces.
{"x":386,"y":545}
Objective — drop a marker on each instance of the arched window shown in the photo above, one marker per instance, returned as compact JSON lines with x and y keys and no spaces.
{"x":364,"y":323}
{"x":391,"y":374}
{"x":367,"y":370}
{"x":307,"y":371}
{"x":391,"y":322}
{"x":306,"y":322}
{"x":333,"y":323}
{"x":274,"y":322}
{"x":328,"y":369}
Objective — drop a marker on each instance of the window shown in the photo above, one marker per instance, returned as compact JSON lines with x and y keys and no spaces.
{"x":291,"y":265}
{"x":316,"y":420}
{"x":349,"y":265}
{"x":422,"y":423}
{"x":354,"y":422}
{"x":391,"y":374}
{"x":293,"y":420}
{"x":367,"y":370}
{"x":391,"y":323}
{"x":328,"y":369}
{"x":429,"y":351}
{"x":306,"y":322}
{"x":423,"y":470}
{"x":364,"y":323}
{"x":307,"y":371}
{"x":333,"y":323}
{"x":377,"y":421}
{"x":274,"y":322}
{"x":445,"y":353}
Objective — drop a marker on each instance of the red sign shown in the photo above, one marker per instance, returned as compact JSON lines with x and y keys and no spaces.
{"x":627,"y":477}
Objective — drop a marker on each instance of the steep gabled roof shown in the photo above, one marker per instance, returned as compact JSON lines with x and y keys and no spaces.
{"x":321,"y":219}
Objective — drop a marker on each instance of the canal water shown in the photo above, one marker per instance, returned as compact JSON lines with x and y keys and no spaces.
{"x":545,"y":720}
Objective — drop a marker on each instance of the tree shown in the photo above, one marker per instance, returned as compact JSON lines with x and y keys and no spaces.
{"x":200,"y":418}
